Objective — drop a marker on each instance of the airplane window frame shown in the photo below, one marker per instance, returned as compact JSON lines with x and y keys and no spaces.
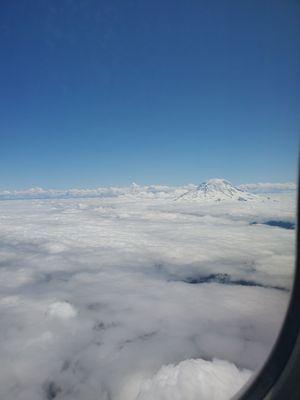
{"x":279,"y":378}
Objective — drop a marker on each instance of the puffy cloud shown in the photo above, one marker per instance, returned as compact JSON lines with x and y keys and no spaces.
{"x":62,"y":309}
{"x":194,"y":380}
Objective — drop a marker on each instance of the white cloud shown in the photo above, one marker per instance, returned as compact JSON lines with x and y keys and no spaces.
{"x":194,"y":379}
{"x":269,"y":187}
{"x":95,"y":299}
{"x":62,"y":309}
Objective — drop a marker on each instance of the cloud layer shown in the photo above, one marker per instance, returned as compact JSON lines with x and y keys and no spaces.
{"x":269,"y":187}
{"x":126,"y":298}
{"x":133,"y":191}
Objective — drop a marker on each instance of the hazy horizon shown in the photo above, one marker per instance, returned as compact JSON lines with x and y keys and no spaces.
{"x":289,"y":184}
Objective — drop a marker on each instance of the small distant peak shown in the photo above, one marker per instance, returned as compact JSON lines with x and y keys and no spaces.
{"x":135,"y":188}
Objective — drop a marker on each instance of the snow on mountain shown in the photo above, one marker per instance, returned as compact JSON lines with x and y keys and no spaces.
{"x":217,"y":190}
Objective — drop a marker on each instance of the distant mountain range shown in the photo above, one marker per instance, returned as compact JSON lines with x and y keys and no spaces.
{"x":213,"y":189}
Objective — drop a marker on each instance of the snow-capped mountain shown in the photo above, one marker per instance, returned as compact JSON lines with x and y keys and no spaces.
{"x":217,"y":190}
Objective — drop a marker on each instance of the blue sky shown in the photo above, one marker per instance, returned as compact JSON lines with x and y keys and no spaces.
{"x":108,"y":92}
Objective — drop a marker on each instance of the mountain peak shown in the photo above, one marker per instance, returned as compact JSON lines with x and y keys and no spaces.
{"x":217,"y":190}
{"x":216,"y":181}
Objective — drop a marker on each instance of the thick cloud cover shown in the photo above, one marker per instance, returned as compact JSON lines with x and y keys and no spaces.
{"x":130,"y":298}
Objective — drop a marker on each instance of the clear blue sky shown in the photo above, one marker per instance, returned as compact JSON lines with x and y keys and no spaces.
{"x":108,"y":92}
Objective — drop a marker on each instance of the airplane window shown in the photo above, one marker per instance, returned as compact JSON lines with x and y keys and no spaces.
{"x":148,"y":195}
